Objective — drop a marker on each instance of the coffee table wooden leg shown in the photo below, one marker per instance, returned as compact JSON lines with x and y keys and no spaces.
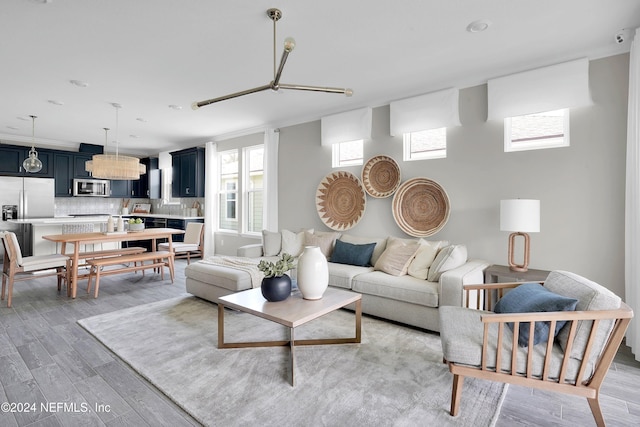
{"x":220,"y":325}
{"x":358,"y":321}
{"x":293,"y":358}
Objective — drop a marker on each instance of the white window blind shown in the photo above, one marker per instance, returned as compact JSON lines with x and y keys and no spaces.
{"x":559,"y":86}
{"x":430,"y":111}
{"x":348,"y":126}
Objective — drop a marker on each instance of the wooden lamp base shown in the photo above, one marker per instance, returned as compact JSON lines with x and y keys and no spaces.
{"x":525,"y":263}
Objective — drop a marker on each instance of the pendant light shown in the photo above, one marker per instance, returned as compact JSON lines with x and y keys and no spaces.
{"x":114,"y":166}
{"x":32,"y":164}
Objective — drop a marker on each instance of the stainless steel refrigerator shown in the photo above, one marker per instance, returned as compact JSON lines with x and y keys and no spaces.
{"x":25,"y":198}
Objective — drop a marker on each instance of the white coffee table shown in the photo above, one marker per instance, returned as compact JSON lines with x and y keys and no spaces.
{"x":292,"y":312}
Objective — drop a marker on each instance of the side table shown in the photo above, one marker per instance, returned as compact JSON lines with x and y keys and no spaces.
{"x":494,"y":272}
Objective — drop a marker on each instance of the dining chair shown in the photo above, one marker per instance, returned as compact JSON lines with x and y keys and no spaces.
{"x":17,"y":265}
{"x":192,"y":244}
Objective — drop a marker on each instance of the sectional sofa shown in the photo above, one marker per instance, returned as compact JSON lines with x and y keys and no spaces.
{"x":403,"y":280}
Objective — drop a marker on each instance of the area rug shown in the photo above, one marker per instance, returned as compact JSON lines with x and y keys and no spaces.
{"x":395,"y":377}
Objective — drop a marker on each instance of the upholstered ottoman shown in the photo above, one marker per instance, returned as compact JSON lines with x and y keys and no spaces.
{"x":210,"y":282}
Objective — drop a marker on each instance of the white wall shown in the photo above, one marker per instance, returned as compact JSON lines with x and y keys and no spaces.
{"x":581,"y":187}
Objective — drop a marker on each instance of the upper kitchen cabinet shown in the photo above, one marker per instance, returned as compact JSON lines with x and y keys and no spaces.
{"x":149,"y":184}
{"x":12,"y":156}
{"x":67,"y":166}
{"x":188,"y":172}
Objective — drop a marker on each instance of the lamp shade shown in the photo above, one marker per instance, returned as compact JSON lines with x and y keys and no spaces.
{"x":521,"y":215}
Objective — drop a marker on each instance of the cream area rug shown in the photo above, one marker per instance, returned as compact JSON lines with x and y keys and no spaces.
{"x":395,"y":377}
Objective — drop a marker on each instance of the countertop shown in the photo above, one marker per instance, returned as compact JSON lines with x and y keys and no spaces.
{"x":93,"y":219}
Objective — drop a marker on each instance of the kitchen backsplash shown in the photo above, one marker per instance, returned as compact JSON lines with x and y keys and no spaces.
{"x":98,"y":205}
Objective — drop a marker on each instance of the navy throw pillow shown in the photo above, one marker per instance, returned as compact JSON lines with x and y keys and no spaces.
{"x":533,"y":297}
{"x":348,"y":253}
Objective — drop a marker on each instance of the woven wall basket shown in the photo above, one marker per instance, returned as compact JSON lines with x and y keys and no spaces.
{"x":381,"y":176}
{"x":421,"y":207}
{"x":340,"y":200}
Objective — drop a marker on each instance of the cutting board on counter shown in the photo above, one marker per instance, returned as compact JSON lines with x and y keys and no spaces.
{"x":142,"y":208}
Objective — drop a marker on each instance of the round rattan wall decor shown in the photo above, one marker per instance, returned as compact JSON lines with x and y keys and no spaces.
{"x":381,"y":176}
{"x":421,"y":207}
{"x":340,"y":200}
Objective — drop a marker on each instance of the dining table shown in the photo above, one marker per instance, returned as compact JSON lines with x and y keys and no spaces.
{"x":78,"y":239}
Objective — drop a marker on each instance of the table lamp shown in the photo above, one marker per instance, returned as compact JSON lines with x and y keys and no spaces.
{"x":521,"y":216}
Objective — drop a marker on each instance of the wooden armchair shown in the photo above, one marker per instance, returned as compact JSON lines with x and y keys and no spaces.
{"x":17,"y":265}
{"x":480,"y":344}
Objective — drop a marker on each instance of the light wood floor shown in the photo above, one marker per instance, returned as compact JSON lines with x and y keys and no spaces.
{"x":45,"y":356}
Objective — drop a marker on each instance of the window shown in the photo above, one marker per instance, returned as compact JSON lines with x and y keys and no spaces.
{"x":347,"y":153}
{"x":241,"y":189}
{"x":426,"y":144}
{"x":228,"y":190}
{"x":534,"y":131}
{"x":254,"y":184}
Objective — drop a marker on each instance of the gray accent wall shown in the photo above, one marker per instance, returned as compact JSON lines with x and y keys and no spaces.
{"x":581,"y":187}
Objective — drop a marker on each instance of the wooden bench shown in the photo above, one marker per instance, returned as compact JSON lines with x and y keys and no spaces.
{"x":159,"y":259}
{"x":110,"y":253}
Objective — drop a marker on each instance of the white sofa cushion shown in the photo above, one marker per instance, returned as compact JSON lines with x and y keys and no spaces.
{"x":293,"y":243}
{"x":341,"y":275}
{"x":401,"y":288}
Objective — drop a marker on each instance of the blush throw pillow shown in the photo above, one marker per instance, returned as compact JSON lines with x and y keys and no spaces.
{"x":348,"y":253}
{"x":396,"y":257}
{"x":532,"y":298}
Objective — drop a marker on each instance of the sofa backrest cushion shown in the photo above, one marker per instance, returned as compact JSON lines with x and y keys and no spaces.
{"x":271,"y":243}
{"x":590,"y":296}
{"x":348,"y":253}
{"x":381,"y":244}
{"x":292,"y":242}
{"x":397,"y":256}
{"x":448,"y":258}
{"x":533,"y":298}
{"x":325,"y":240}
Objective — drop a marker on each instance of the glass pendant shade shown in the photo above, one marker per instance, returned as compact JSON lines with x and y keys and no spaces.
{"x":32,"y":164}
{"x":114,"y":166}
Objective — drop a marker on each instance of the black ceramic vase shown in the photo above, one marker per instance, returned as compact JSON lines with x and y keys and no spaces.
{"x":276,"y":288}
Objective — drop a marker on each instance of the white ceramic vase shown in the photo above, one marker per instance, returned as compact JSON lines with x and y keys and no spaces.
{"x":313,"y":273}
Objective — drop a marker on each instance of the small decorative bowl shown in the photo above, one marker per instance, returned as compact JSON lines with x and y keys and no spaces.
{"x":136,"y":227}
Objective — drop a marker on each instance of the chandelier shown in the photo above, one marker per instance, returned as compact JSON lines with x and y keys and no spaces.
{"x":114,"y":166}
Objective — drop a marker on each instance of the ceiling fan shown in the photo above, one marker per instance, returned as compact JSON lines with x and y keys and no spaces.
{"x":289,"y":44}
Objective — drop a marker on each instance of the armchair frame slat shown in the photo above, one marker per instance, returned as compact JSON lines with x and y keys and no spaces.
{"x":579,"y":384}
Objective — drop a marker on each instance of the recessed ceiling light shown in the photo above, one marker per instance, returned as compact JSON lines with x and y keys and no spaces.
{"x":55,"y":102}
{"x":116,"y":105}
{"x":140,"y":119}
{"x":134,"y":136}
{"x":478,"y":26}
{"x":79,"y":83}
{"x":175,"y":107}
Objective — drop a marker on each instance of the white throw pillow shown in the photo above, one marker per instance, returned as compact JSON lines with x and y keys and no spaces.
{"x":292,"y":243}
{"x":448,"y":258}
{"x":396,"y":257}
{"x":419,"y":267}
{"x":271,"y":243}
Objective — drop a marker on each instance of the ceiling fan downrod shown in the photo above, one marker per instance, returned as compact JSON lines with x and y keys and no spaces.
{"x":289,"y":44}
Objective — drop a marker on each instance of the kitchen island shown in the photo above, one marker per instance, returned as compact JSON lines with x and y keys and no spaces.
{"x":85,"y":223}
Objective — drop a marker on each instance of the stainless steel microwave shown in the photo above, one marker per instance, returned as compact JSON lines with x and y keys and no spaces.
{"x":91,"y":188}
